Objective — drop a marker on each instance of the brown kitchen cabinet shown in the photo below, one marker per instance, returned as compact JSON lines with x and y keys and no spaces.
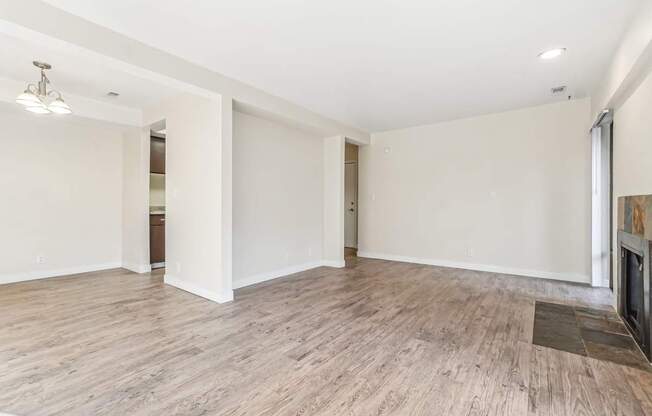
{"x":156,"y":239}
{"x":157,"y":155}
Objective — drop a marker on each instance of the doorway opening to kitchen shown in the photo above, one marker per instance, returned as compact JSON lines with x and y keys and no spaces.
{"x":157,"y":195}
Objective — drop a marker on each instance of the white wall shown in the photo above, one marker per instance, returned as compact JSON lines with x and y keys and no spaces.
{"x":334,"y":149}
{"x":630,"y":63}
{"x":193,"y":237}
{"x":507,"y":192}
{"x":627,"y":88}
{"x":632,"y":155}
{"x":135,"y":201}
{"x":226,"y":191}
{"x":62,"y":195}
{"x":277,"y":199}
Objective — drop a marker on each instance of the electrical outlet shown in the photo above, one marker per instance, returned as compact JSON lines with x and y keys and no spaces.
{"x":309,"y":251}
{"x":178,"y":266}
{"x":40,"y":259}
{"x":469,"y":252}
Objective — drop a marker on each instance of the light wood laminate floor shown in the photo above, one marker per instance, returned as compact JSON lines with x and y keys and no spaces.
{"x":375,"y":338}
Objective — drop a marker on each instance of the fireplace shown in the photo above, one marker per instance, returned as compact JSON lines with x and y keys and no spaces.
{"x":634,"y":261}
{"x":633,"y":306}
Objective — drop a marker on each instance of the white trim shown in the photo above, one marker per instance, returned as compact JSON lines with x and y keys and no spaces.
{"x":263,"y":277}
{"x":599,"y":208}
{"x":199,"y":291}
{"x":137,"y":268}
{"x":334,"y":263}
{"x":568,"y":277}
{"x":44,"y":274}
{"x":596,"y":208}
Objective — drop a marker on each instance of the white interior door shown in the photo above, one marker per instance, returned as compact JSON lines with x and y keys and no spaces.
{"x":351,"y":205}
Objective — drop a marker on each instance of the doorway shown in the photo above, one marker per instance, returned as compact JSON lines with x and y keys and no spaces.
{"x":350,"y":200}
{"x":157,"y":159}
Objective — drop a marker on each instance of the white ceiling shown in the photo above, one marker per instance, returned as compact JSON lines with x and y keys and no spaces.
{"x":73,"y":73}
{"x":382,"y":64}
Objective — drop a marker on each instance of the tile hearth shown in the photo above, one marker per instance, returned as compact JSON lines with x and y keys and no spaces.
{"x":593,"y":333}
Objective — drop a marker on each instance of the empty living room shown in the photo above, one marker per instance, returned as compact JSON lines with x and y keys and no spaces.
{"x":325,"y":208}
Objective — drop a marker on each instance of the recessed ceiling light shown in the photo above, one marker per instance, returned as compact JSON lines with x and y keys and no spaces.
{"x":552,"y":53}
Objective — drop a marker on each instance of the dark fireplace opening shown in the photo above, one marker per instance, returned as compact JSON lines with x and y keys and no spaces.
{"x":633,"y":308}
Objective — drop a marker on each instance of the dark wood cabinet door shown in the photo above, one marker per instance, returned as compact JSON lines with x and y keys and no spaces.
{"x":156,"y":219}
{"x":157,"y":155}
{"x":157,"y":243}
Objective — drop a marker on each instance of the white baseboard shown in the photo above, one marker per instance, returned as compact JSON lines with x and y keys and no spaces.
{"x":199,"y":291}
{"x":137,"y":268}
{"x":333,"y":263}
{"x":263,"y":277}
{"x":44,"y":274}
{"x":568,"y":277}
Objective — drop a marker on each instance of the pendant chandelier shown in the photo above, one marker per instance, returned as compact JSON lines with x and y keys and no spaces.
{"x":37,"y":99}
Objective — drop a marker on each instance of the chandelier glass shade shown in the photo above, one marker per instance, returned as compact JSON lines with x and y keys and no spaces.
{"x":37,"y":99}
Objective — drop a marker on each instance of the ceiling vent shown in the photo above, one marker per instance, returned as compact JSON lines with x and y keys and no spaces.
{"x":558,"y":90}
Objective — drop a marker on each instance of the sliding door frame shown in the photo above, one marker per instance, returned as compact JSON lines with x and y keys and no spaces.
{"x":602,"y":201}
